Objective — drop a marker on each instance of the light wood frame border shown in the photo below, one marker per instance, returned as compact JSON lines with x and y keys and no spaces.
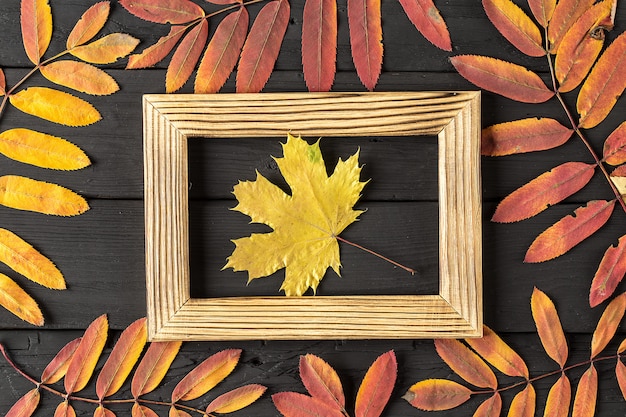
{"x":451,"y":116}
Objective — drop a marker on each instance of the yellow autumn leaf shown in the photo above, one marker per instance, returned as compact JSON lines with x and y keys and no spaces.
{"x":306,"y":223}
{"x":106,"y":50}
{"x":55,"y":106}
{"x":27,"y":194}
{"x":81,"y":77}
{"x":42,"y":150}
{"x":18,"y":302}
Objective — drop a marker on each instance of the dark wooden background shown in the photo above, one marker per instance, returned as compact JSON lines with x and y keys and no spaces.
{"x":101,"y":252}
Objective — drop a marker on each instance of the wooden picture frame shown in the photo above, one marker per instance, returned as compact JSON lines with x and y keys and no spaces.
{"x":451,"y":116}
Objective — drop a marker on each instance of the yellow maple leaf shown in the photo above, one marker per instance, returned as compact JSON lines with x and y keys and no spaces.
{"x":305,"y":224}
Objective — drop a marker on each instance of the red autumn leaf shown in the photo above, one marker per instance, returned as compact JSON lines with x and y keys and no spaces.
{"x":186,"y":57}
{"x":605,"y":84}
{"x":86,"y":356}
{"x":103,"y":412}
{"x":437,"y":395}
{"x":142,"y":411}
{"x":319,"y":43}
{"x":89,"y":24}
{"x":549,"y":327}
{"x":493,"y":349}
{"x":610,"y":273}
{"x":164,"y":11}
{"x":490,"y":407}
{"x":57,"y":368}
{"x":224,"y":2}
{"x":607,"y":325}
{"x":505,"y":78}
{"x":565,"y":14}
{"x":569,"y":231}
{"x":64,"y":409}
{"x":524,"y":402}
{"x":153,"y":367}
{"x":261,"y":48}
{"x":547,"y":189}
{"x":293,"y":404}
{"x":586,"y":394}
{"x":515,"y":26}
{"x":614,"y":152}
{"x":542,"y":10}
{"x":620,"y":373}
{"x":25,"y":406}
{"x":525,"y":135}
{"x":366,"y":37}
{"x":36,"y":22}
{"x":223,"y":51}
{"x":559,"y":398}
{"x":3,"y":83}
{"x":157,"y":52}
{"x":236,"y":399}
{"x":321,"y":380}
{"x":426,"y":18}
{"x":375,"y":390}
{"x":466,"y":363}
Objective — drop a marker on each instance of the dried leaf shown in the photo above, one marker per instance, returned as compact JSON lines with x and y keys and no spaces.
{"x":55,"y":106}
{"x":604,"y":85}
{"x":57,"y":368}
{"x":26,"y":194}
{"x":569,"y":231}
{"x":175,"y":412}
{"x":20,"y":256}
{"x":42,"y":150}
{"x":186,"y":57}
{"x":153,"y":367}
{"x":366,"y":37}
{"x":106,"y":50}
{"x":157,"y":52}
{"x":614,"y":151}
{"x":36,"y":22}
{"x":103,"y":412}
{"x":498,"y":354}
{"x":3,"y":83}
{"x":565,"y":14}
{"x":89,"y":24}
{"x":515,"y":26}
{"x":25,"y":406}
{"x":618,"y":176}
{"x":505,"y":78}
{"x":426,"y":18}
{"x":236,"y":399}
{"x":86,"y":356}
{"x":559,"y":398}
{"x":620,"y":373}
{"x":81,"y":77}
{"x":549,"y":327}
{"x":293,"y":404}
{"x":466,"y":363}
{"x":586,"y":394}
{"x":542,"y":10}
{"x":490,"y":407}
{"x":525,"y":135}
{"x":261,"y":48}
{"x":64,"y":409}
{"x":524,"y":402}
{"x":607,"y":325}
{"x":122,"y":359}
{"x":622,"y":347}
{"x":224,"y":2}
{"x":544,"y":191}
{"x":321,"y":380}
{"x":206,"y":375}
{"x":319,"y":44}
{"x":142,"y":411}
{"x":164,"y":11}
{"x":437,"y":395}
{"x":18,"y":302}
{"x":609,"y":274}
{"x":377,"y":385}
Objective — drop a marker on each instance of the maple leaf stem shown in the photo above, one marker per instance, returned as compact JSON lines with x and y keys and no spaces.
{"x":356,"y":245}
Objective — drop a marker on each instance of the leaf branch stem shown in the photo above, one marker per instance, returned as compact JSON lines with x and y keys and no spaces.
{"x":371,"y":252}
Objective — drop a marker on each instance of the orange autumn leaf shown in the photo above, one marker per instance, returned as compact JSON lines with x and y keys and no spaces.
{"x":609,"y":274}
{"x":524,"y":403}
{"x":57,"y":368}
{"x":559,"y":398}
{"x":55,"y":106}
{"x":18,"y":302}
{"x":607,"y":325}
{"x":569,"y":231}
{"x":81,"y":77}
{"x":36,"y":22}
{"x":164,"y":11}
{"x":490,"y":407}
{"x":515,"y":26}
{"x":466,"y":363}
{"x":157,"y":52}
{"x":366,"y":35}
{"x":103,"y":412}
{"x":89,"y":24}
{"x":261,"y":48}
{"x":501,"y":77}
{"x":493,"y":349}
{"x":319,"y":44}
{"x":236,"y":399}
{"x":142,"y":411}
{"x":293,"y":404}
{"x":175,"y":412}
{"x":614,"y":151}
{"x":64,"y":409}
{"x":544,"y":191}
{"x":549,"y":327}
{"x":122,"y":359}
{"x":525,"y":135}
{"x":186,"y":57}
{"x":27,"y":194}
{"x":25,"y":406}
{"x":564,"y":16}
{"x":586,"y":394}
{"x":437,"y":395}
{"x":321,"y":380}
{"x":153,"y":367}
{"x":377,"y":385}
{"x":86,"y":355}
{"x":426,"y":18}
{"x":107,"y":49}
{"x":620,"y":373}
{"x":3,"y":83}
{"x":542,"y":10}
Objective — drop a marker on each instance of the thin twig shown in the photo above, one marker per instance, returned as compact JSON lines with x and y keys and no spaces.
{"x":399,"y":265}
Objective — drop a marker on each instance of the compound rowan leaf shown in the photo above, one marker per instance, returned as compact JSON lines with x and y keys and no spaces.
{"x":549,"y":327}
{"x":222,"y":53}
{"x":153,"y":367}
{"x":501,"y":77}
{"x":559,"y":398}
{"x":186,"y":57}
{"x":164,"y":11}
{"x":57,"y":368}
{"x":142,"y":411}
{"x":321,"y":380}
{"x":103,"y":412}
{"x":107,"y":49}
{"x":27,"y":194}
{"x":122,"y":359}
{"x":515,"y":26}
{"x":466,"y":363}
{"x":493,"y":349}
{"x":36,"y":22}
{"x":206,"y":375}
{"x":25,"y":406}
{"x":437,"y":395}
{"x":614,"y":151}
{"x":569,"y":231}
{"x":366,"y":35}
{"x":81,"y":77}
{"x":524,"y":403}
{"x":377,"y":385}
{"x":3,"y":83}
{"x":319,"y":44}
{"x":547,"y":189}
{"x":18,"y":302}
{"x":305,"y":222}
{"x":542,"y":10}
{"x":609,"y":274}
{"x":620,"y":373}
{"x":293,"y":404}
{"x":157,"y":52}
{"x":55,"y":106}
{"x":586,"y":394}
{"x":86,"y":355}
{"x":262,"y":46}
{"x":64,"y":409}
{"x":426,"y":18}
{"x":525,"y":135}
{"x":236,"y":399}
{"x":607,"y":325}
{"x":565,"y":14}
{"x":89,"y":24}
